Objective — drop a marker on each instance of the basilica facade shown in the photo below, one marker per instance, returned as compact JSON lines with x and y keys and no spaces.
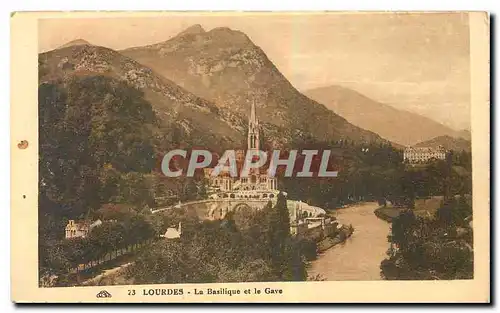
{"x":257,"y":185}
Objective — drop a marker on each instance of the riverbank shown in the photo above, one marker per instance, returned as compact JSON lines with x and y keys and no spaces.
{"x":423,"y":207}
{"x":344,"y":233}
{"x":387,"y":213}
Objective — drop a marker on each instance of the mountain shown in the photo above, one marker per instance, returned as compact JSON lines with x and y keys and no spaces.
{"x":180,"y":113}
{"x":195,"y":29}
{"x":398,"y":126}
{"x":76,"y":42}
{"x":227,"y":68}
{"x":449,"y":143}
{"x":432,"y":99}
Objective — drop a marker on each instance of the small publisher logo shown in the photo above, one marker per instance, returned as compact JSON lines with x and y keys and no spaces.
{"x":103,"y":294}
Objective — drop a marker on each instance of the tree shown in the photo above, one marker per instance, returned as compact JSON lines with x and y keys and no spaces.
{"x":86,"y":123}
{"x":455,"y":212}
{"x":401,"y":227}
{"x":169,"y":262}
{"x":54,"y":258}
{"x":96,"y":139}
{"x":256,"y":270}
{"x":190,"y":190}
{"x":279,"y":232}
{"x":424,"y":248}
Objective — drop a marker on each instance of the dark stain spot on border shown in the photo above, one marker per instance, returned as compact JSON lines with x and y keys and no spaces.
{"x":23,"y":144}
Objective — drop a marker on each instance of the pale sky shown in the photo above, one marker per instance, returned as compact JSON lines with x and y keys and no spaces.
{"x":417,"y":62}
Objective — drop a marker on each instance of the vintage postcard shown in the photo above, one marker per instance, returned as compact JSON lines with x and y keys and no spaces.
{"x":250,"y":157}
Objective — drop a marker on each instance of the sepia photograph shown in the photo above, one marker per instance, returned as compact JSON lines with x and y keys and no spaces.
{"x":220,"y":148}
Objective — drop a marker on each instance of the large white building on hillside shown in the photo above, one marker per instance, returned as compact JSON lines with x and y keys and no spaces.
{"x":414,"y":155}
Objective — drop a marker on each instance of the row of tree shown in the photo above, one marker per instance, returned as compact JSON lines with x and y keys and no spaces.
{"x":103,"y":243}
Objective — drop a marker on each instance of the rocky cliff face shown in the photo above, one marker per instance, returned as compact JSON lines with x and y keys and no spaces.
{"x":227,"y":68}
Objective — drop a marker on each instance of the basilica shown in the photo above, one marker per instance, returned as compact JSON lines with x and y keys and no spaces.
{"x":257,"y":185}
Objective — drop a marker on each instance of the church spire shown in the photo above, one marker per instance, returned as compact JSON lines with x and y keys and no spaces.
{"x":253,"y":130}
{"x":253,"y":116}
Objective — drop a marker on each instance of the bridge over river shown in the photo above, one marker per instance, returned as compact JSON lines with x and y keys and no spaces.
{"x":218,"y":208}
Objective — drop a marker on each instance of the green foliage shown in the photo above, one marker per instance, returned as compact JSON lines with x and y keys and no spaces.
{"x":95,"y":147}
{"x":88,"y":124}
{"x":455,"y":212}
{"x":189,"y":190}
{"x":376,"y":172}
{"x":439,"y":248}
{"x":366,"y":172}
{"x":53,"y":257}
{"x":244,"y":246}
{"x":60,"y":256}
{"x":169,"y":262}
{"x":257,"y":270}
{"x":279,"y":233}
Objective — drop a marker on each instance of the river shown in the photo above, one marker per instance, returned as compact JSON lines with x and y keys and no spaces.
{"x":360,"y":256}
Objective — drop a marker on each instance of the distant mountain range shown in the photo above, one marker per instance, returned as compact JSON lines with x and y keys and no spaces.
{"x":449,"y":143}
{"x":398,"y":126}
{"x":432,"y":99}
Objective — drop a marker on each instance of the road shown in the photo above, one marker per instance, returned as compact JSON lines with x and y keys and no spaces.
{"x":95,"y":280}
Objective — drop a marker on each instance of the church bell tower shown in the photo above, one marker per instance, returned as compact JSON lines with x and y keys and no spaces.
{"x":253,"y":141}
